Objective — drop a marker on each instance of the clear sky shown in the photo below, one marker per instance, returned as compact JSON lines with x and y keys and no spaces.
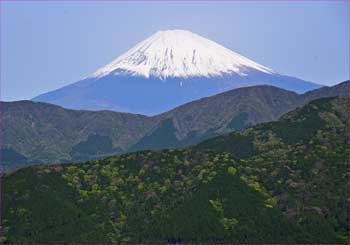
{"x":45,"y":45}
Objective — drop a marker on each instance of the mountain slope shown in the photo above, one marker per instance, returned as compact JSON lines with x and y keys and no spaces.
{"x":219,"y":114}
{"x":166,"y":70}
{"x":342,"y":89}
{"x":277,"y":182}
{"x":302,"y":159}
{"x":226,"y":112}
{"x":43,"y":133}
{"x":179,"y":53}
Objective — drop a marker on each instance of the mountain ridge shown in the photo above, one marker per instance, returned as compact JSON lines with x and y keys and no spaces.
{"x":35,"y":132}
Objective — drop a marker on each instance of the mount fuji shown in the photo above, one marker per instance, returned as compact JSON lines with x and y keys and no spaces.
{"x":166,"y":70}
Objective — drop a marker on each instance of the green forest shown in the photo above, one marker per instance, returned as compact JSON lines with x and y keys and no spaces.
{"x":279,"y":182}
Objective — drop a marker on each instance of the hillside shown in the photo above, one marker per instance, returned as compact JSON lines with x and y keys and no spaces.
{"x":342,"y":88}
{"x":219,"y":114}
{"x":36,"y":132}
{"x":279,"y":182}
{"x":45,"y":133}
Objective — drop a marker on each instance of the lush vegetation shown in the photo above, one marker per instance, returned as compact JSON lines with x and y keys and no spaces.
{"x":280,"y":182}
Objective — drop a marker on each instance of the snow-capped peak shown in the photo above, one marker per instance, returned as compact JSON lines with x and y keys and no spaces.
{"x":179,"y":53}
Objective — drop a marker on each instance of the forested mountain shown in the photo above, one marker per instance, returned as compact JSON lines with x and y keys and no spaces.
{"x":277,"y":182}
{"x":35,"y":132}
{"x":44,"y":133}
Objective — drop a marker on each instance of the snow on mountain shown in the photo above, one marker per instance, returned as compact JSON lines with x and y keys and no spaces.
{"x":179,"y":53}
{"x":166,"y":70}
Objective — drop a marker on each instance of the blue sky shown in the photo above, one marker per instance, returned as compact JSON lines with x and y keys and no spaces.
{"x":45,"y":45}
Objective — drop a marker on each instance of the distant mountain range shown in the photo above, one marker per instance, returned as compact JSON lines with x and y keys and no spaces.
{"x":35,"y":132}
{"x":166,"y":70}
{"x":282,"y":182}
